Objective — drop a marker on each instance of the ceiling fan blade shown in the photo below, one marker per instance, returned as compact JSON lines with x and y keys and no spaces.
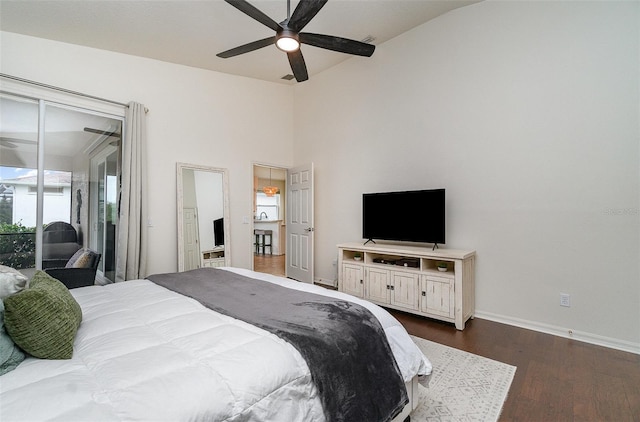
{"x":102,"y":132}
{"x":297,"y":65}
{"x":253,"y":12}
{"x":247,"y":48}
{"x":11,"y":142}
{"x":342,"y":45}
{"x":305,"y":11}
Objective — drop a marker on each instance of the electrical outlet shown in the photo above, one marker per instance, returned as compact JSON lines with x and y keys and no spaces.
{"x":565,"y":300}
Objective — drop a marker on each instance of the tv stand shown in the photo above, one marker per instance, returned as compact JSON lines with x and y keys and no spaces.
{"x":438,"y":284}
{"x":435,"y":246}
{"x":213,"y":257}
{"x":370,"y":240}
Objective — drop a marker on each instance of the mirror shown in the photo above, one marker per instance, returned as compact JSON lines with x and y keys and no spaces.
{"x":203,"y":217}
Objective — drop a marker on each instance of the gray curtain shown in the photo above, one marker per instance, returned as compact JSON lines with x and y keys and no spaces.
{"x":132,"y":226}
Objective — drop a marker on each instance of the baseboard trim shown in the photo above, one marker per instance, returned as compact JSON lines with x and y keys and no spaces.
{"x":625,"y":346}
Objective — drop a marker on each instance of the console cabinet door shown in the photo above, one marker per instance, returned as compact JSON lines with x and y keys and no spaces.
{"x":377,"y":284}
{"x":438,"y":296}
{"x":405,"y":289}
{"x":352,"y":280}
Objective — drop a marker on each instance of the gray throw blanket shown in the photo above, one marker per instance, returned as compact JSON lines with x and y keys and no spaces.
{"x":345,"y":347}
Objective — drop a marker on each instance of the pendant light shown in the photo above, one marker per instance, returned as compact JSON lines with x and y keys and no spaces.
{"x":270,"y":190}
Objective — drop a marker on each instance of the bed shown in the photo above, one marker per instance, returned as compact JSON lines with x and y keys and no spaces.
{"x":145,"y":352}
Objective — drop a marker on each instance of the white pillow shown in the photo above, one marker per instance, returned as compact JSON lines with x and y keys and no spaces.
{"x":11,"y":281}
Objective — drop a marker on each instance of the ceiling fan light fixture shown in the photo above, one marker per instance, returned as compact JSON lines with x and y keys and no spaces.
{"x":287,"y":41}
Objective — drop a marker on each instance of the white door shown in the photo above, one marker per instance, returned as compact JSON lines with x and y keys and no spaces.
{"x":300,"y":223}
{"x":190,"y":235}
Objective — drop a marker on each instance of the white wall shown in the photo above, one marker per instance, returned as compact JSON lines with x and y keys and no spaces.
{"x":528,"y":114}
{"x":196,"y":116}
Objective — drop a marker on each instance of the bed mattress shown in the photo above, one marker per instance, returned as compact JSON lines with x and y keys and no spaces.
{"x":145,"y":353}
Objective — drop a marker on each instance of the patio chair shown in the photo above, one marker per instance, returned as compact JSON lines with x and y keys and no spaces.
{"x":79,"y":271}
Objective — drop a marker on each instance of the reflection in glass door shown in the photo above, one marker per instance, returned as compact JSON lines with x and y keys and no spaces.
{"x":104,"y":209}
{"x":18,"y":178}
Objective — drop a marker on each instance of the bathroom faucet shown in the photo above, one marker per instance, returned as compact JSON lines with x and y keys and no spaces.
{"x":265,"y":215}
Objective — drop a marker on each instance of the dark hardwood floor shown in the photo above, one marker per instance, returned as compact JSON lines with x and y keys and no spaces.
{"x":557,"y":379}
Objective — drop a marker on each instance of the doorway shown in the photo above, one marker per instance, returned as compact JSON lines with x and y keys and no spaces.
{"x":269,"y":219}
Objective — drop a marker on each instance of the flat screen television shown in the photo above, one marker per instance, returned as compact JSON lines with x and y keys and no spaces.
{"x":218,"y":232}
{"x":410,"y":216}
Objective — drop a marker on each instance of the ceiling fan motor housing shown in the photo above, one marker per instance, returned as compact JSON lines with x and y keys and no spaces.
{"x":287,"y":40}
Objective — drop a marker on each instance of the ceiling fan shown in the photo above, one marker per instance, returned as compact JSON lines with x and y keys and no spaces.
{"x":8,"y":142}
{"x":11,"y":142}
{"x":106,"y":133}
{"x":288,"y":36}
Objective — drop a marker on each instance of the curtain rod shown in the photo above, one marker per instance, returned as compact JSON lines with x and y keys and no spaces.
{"x":68,"y":91}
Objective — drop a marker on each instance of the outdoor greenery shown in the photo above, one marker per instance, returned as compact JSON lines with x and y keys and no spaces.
{"x":17,"y":245}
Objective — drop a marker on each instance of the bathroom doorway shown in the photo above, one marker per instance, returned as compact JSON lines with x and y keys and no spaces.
{"x":269,"y":219}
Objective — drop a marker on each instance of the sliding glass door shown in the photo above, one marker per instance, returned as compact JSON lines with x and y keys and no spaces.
{"x":46,"y":186}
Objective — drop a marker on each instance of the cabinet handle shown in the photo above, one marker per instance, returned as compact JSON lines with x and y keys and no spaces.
{"x":360,"y":281}
{"x":391,"y":287}
{"x":424,"y":293}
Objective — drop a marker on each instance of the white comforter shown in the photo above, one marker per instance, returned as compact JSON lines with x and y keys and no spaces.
{"x":146,"y":353}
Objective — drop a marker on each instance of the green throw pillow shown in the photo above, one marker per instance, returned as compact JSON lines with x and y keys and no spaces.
{"x":43,"y":320}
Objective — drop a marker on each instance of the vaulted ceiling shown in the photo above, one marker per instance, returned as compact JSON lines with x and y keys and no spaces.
{"x":191,"y":33}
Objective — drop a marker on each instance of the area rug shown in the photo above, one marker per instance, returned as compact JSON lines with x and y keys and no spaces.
{"x":463,"y":386}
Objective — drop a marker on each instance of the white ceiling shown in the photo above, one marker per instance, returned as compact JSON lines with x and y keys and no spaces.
{"x":192,"y":32}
